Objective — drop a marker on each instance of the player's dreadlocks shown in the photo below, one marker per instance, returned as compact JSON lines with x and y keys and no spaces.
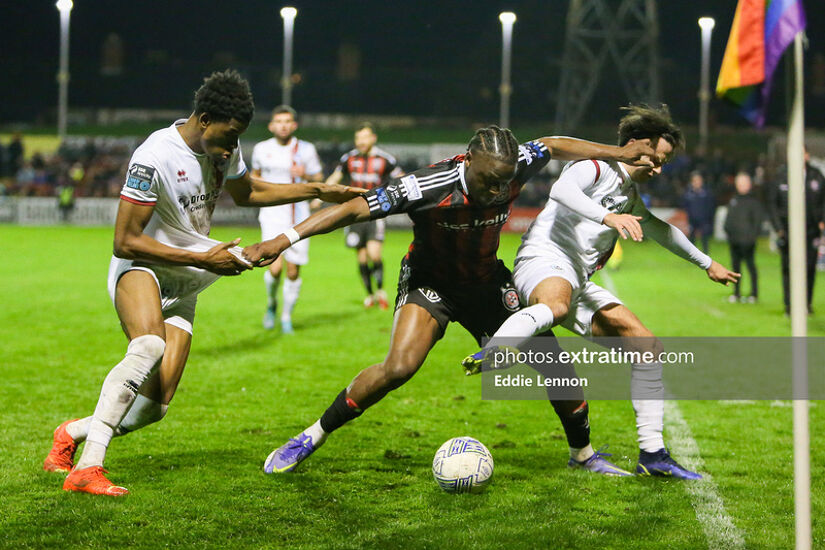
{"x":224,"y":96}
{"x":646,"y":122}
{"x":496,"y":142}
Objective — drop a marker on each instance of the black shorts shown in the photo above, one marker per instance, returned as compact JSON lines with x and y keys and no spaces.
{"x":357,"y":234}
{"x":479,"y":308}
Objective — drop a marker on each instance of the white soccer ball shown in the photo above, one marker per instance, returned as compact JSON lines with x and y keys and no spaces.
{"x":463,"y":465}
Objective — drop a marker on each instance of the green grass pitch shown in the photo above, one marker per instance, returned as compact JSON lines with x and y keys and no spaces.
{"x":196,"y":477}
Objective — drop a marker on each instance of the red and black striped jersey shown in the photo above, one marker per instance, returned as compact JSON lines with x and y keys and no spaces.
{"x":455,"y":239}
{"x":367,"y":171}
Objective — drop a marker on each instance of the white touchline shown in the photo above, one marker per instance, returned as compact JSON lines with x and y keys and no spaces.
{"x":718,"y":526}
{"x":710,"y":510}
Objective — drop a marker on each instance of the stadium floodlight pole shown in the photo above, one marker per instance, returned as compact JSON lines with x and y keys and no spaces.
{"x":799,"y":310}
{"x":65,"y":8}
{"x":706,"y":24}
{"x":507,"y":19}
{"x":288,"y":14}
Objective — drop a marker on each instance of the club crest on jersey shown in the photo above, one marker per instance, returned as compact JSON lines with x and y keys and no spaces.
{"x":615,"y":204}
{"x":431,"y":295}
{"x":139,"y":177}
{"x":509,"y":297}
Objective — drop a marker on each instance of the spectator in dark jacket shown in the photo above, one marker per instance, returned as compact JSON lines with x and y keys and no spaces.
{"x":700,"y":206}
{"x":814,"y":222}
{"x":743,"y":225}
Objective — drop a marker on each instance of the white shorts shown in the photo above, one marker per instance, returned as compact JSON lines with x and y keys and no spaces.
{"x":178,"y":287}
{"x":586,"y":299}
{"x":298,"y":253}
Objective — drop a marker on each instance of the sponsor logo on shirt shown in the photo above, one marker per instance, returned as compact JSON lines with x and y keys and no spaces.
{"x":410,"y":183}
{"x":196,"y":202}
{"x":139,"y":177}
{"x":477,"y":223}
{"x":182,"y":176}
{"x":383,"y":199}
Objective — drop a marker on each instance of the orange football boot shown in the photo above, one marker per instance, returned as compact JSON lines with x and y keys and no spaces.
{"x":61,"y":457}
{"x":91,"y":480}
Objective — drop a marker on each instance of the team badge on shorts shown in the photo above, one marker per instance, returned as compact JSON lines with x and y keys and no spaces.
{"x":509,"y":297}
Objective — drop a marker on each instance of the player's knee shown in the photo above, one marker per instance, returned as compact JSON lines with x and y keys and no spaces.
{"x":149,"y":346}
{"x":560,"y":310}
{"x":399,"y":369}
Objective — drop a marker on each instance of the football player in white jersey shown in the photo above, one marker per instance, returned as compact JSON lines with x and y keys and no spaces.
{"x":591,"y":205}
{"x":163,"y":257}
{"x":285,"y":158}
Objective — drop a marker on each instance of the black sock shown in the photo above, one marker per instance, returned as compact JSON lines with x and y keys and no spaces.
{"x":339,"y":413}
{"x":575,"y":421}
{"x":378,"y":274}
{"x":365,"y":277}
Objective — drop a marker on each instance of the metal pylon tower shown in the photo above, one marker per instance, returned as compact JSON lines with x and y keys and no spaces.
{"x":607,"y":39}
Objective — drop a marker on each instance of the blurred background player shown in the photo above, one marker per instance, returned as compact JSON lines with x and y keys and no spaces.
{"x":451,"y":273}
{"x":591,"y":205}
{"x":162,"y":260}
{"x":284,"y":158}
{"x":700,"y":206}
{"x":743,"y":225}
{"x":367,"y":166}
{"x":814,"y":223}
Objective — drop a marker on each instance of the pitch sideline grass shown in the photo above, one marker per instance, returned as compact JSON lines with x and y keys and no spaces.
{"x":196,"y":476}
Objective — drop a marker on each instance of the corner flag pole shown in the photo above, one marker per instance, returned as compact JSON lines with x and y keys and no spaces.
{"x":799,"y":310}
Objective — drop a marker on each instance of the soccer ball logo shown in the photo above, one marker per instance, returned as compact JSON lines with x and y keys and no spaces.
{"x":463,"y":465}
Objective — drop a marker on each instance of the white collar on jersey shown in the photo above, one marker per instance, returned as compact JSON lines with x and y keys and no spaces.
{"x":181,"y":122}
{"x":461,"y":178}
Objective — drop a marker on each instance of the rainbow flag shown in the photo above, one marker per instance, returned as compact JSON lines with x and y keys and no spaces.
{"x":761,"y":31}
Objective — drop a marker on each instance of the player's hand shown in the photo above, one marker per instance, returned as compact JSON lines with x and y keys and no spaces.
{"x":332,"y":192}
{"x":638,"y":153}
{"x":626,"y":224}
{"x":261,"y":254}
{"x":219,"y":260}
{"x":720,"y":274}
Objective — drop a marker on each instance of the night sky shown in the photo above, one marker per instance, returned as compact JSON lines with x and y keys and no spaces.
{"x":438,"y":59}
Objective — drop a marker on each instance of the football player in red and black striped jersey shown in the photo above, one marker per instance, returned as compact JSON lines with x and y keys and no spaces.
{"x":451,"y":273}
{"x":367,"y":166}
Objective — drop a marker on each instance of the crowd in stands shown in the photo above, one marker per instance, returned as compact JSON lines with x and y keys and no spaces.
{"x":95,"y":167}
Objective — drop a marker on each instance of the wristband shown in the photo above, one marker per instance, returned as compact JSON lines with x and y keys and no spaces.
{"x":292,"y":235}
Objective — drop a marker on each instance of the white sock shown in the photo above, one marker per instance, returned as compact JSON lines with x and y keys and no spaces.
{"x":79,"y":429}
{"x":271,"y":289}
{"x":648,"y":392}
{"x":580,"y":455}
{"x":291,"y":291}
{"x":117,"y":395}
{"x":524,"y":324}
{"x":317,"y":433}
{"x":143,"y":412}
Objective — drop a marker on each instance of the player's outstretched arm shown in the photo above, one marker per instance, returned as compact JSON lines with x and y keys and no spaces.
{"x":248,"y":190}
{"x":674,"y":240}
{"x":324,"y":221}
{"x":638,"y":153}
{"x":132,"y":244}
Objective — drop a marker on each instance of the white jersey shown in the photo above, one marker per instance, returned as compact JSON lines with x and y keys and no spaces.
{"x":183,"y":186}
{"x":275,"y":162}
{"x":587,"y":243}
